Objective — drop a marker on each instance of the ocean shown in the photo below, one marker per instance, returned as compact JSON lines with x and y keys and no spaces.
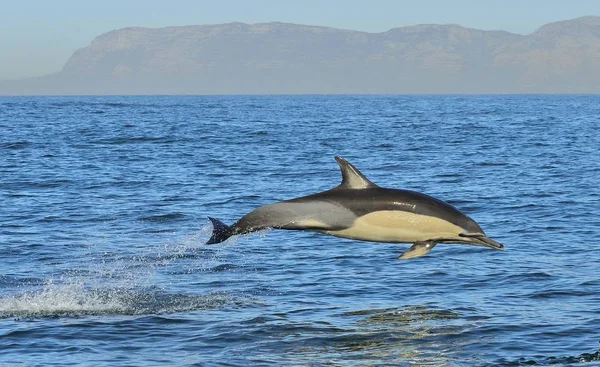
{"x":103,"y":224}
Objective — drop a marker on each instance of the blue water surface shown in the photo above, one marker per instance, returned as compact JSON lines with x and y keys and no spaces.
{"x":103,"y":223}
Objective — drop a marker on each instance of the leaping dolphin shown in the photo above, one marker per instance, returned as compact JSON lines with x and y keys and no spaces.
{"x":360,"y":210}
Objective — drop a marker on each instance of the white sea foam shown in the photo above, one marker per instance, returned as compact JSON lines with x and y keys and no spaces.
{"x":76,"y":300}
{"x":124,"y":286}
{"x":61,"y":299}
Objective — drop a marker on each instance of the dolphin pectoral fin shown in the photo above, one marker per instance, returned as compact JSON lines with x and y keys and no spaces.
{"x":418,"y":249}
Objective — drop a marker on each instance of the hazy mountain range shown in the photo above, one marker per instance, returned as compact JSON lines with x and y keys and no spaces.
{"x":279,"y":58}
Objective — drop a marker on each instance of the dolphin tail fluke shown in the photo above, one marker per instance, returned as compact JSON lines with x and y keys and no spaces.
{"x":221,"y":231}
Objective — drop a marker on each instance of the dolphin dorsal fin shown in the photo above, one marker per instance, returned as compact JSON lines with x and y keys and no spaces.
{"x":352,"y":178}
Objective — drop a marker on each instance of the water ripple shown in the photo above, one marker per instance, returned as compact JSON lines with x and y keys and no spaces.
{"x":103,"y":225}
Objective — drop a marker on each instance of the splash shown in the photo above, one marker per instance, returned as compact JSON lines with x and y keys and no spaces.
{"x":71,"y":300}
{"x":124,"y":285}
{"x":57,"y":300}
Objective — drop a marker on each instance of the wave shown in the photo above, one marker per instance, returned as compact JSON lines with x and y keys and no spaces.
{"x":561,"y":361}
{"x":170,"y":217}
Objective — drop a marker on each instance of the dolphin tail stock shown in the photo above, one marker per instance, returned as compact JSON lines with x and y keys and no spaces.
{"x":221,"y":231}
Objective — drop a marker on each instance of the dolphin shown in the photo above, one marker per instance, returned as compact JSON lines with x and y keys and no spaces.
{"x":359,"y":209}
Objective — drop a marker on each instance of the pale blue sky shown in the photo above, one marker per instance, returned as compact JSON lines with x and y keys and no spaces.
{"x":38,"y":36}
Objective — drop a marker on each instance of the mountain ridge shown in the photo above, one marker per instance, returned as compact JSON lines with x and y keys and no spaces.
{"x":285,"y":58}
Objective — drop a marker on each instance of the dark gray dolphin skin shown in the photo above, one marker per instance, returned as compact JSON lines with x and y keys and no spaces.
{"x":360,"y":210}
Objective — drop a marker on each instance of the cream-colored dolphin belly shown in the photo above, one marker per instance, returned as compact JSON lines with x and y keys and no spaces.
{"x":398,"y":226}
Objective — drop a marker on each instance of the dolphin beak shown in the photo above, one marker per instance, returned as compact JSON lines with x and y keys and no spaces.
{"x":488,"y":242}
{"x":482,"y":240}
